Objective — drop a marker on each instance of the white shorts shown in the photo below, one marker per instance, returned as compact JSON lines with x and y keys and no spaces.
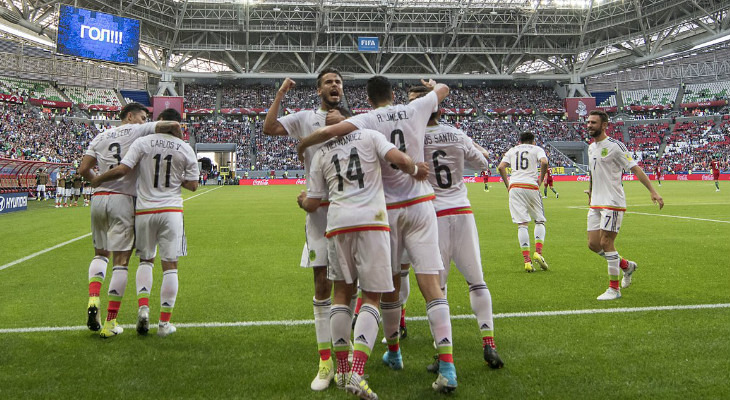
{"x":525,"y":205}
{"x":68,"y":192}
{"x":459,"y":242}
{"x":314,"y":253}
{"x":414,"y":229}
{"x":59,"y":192}
{"x":362,"y":256}
{"x":405,"y":258}
{"x":41,"y":188}
{"x":112,"y":222}
{"x":165,"y":230}
{"x":605,"y":220}
{"x":77,"y":191}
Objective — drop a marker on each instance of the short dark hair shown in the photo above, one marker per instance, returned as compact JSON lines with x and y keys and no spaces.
{"x":600,"y":113}
{"x":131,"y":107}
{"x":328,"y":70}
{"x":421,"y":91}
{"x":170,"y":114}
{"x":379,"y":89}
{"x":527,"y":137}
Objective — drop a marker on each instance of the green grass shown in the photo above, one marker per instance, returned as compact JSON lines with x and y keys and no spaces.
{"x":245,"y":244}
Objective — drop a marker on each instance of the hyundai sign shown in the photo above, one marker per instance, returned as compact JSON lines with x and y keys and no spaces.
{"x":368,"y":44}
{"x":93,"y":34}
{"x":10,"y":202}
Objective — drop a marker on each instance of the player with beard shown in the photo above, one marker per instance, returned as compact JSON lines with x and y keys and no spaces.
{"x":608,"y":158}
{"x":314,"y":255}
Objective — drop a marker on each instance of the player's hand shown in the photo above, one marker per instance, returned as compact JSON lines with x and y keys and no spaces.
{"x":333,"y":117}
{"x":422,"y":173}
{"x":301,"y":198}
{"x":286,"y":85}
{"x":429,"y":84}
{"x":657,"y":199}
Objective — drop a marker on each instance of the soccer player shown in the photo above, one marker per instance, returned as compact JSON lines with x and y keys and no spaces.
{"x":410,"y":209}
{"x":60,"y":185}
{"x":68,"y":189}
{"x":78,"y":183}
{"x":715,"y":166}
{"x":42,"y":182}
{"x":524,"y":194}
{"x":658,"y":173}
{"x":112,"y":210}
{"x":314,"y":254}
{"x":485,"y":178}
{"x":347,"y":171}
{"x":448,"y":148}
{"x":607,"y":158}
{"x":165,"y":164}
{"x":549,"y":182}
{"x":87,"y":191}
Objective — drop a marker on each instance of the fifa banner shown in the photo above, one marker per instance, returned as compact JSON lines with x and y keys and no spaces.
{"x":160,"y":103}
{"x":11,"y":202}
{"x":368,"y":44}
{"x":473,"y":179}
{"x":579,"y":107}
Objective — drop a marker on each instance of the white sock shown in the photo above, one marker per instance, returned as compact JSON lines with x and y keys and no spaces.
{"x":340,"y":327}
{"x":614,"y":261}
{"x":391,"y":320}
{"x":539,"y":233}
{"x":97,"y":268}
{"x":322,"y":309}
{"x":366,"y":328}
{"x":440,"y":324}
{"x":118,"y":283}
{"x":168,"y":291}
{"x":143,"y":280}
{"x":481,"y":305}
{"x":523,"y":235}
{"x":405,"y":287}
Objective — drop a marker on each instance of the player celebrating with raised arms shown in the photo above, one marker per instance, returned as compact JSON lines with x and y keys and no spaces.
{"x":165,"y":164}
{"x":524,"y":194}
{"x":314,"y":254}
{"x":347,"y":171}
{"x":608,"y":158}
{"x":410,"y":209}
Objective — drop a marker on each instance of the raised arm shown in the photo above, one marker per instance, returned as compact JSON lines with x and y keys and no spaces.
{"x":655,"y":197}
{"x":272,"y":126}
{"x":440,"y":89}
{"x":169,"y":127}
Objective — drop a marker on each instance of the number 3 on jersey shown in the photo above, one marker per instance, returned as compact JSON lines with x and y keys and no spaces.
{"x":354,"y":171}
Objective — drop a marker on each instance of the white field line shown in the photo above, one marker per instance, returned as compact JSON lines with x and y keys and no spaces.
{"x":246,"y":324}
{"x":46,"y":250}
{"x":663,"y":215}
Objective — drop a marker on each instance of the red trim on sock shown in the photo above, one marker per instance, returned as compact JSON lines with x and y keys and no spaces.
{"x":488,"y":340}
{"x":343,"y":366}
{"x":359,"y":358}
{"x":446,"y":358}
{"x":325,"y":355}
{"x":143,"y":301}
{"x":394,"y":347}
{"x":358,"y":304}
{"x":112,"y":309}
{"x":94,"y":289}
{"x":165,"y":316}
{"x":538,"y":248}
{"x":613,"y":284}
{"x":403,"y":318}
{"x":624,"y":263}
{"x":526,"y":256}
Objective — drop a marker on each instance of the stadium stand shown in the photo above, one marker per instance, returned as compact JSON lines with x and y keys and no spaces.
{"x":200,"y":96}
{"x":30,"y":88}
{"x":89,"y":96}
{"x":136,"y":96}
{"x":706,"y":92}
{"x":649,"y":97}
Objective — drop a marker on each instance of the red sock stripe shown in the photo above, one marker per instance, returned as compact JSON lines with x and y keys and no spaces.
{"x":358,"y":304}
{"x":394,"y":347}
{"x":446,"y":358}
{"x":538,"y":248}
{"x":94,"y":289}
{"x":114,"y":305}
{"x":325,"y":355}
{"x":165,"y":316}
{"x":343,"y":366}
{"x":143,"y":301}
{"x":526,"y":256}
{"x":359,"y":359}
{"x":613,"y":284}
{"x":488,"y":341}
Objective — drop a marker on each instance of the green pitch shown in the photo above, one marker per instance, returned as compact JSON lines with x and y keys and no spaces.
{"x":245,"y":244}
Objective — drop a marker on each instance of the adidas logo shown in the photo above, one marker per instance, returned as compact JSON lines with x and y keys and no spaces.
{"x":444,"y":342}
{"x":341,"y":342}
{"x":525,"y":244}
{"x":484,"y":327}
{"x":144,"y":289}
{"x":101,"y":274}
{"x":114,"y":292}
{"x":166,"y":304}
{"x":361,"y":339}
{"x":316,"y":124}
{"x":394,"y":335}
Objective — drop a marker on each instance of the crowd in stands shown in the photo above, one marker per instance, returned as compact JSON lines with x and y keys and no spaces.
{"x":542,"y":97}
{"x":253,"y":96}
{"x":200,"y":96}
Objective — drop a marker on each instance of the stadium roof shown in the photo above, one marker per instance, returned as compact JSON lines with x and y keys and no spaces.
{"x":466,"y":39}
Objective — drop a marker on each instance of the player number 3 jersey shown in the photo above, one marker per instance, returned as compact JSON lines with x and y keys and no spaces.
{"x":163,"y":163}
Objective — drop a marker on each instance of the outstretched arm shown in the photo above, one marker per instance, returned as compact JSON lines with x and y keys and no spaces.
{"x":114,"y":173}
{"x":272,"y":126}
{"x":418,"y":171}
{"x":322,"y":135}
{"x":169,"y":127}
{"x":655,"y":197}
{"x":503,"y":171}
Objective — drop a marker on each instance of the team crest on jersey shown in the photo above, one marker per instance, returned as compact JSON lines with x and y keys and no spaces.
{"x":604,"y":152}
{"x":628,"y":157}
{"x":312,"y":255}
{"x":380,"y":216}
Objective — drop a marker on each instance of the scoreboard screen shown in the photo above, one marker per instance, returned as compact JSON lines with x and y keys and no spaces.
{"x":96,"y":35}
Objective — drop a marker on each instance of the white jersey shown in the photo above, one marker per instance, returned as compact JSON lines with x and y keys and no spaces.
{"x":447,"y":148}
{"x":165,"y":162}
{"x":405,"y":126}
{"x":302,"y":124}
{"x":608,"y":159}
{"x":110,"y":147}
{"x":524,"y":159}
{"x":348,"y":168}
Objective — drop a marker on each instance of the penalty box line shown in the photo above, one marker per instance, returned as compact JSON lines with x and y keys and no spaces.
{"x":246,"y":324}
{"x":662,"y":215}
{"x":46,"y":250}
